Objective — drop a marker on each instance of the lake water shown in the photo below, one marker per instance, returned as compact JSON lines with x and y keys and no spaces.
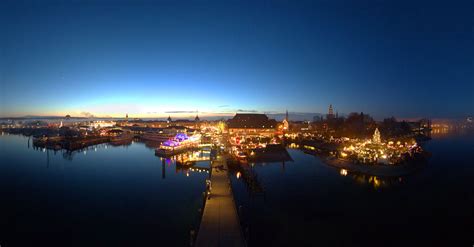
{"x":126,"y":196}
{"x":115,"y":196}
{"x":307,"y":202}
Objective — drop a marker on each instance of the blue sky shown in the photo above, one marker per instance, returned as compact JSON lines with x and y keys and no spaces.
{"x":150,"y":58}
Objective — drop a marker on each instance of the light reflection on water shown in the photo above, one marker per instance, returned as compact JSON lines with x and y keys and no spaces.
{"x":345,"y":209}
{"x":125,"y":193}
{"x":375,"y":181}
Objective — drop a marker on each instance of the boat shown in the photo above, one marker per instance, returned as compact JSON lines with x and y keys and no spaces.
{"x":179,"y":144}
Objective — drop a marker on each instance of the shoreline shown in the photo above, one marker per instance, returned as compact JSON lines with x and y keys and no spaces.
{"x":375,"y":170}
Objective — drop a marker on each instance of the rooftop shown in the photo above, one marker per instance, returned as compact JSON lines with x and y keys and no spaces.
{"x":251,"y":120}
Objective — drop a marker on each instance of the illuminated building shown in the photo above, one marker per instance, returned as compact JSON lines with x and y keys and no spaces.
{"x":251,"y":124}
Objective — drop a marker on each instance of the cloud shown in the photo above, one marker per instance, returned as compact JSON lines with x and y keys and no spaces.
{"x":222,"y":106}
{"x":180,"y":111}
{"x":87,"y":114}
{"x":245,"y":110}
{"x":271,"y":112}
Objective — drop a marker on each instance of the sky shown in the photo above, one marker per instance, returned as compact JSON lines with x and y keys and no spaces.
{"x":159,"y":58}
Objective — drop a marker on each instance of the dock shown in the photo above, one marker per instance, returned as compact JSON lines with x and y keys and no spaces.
{"x":220,"y":225}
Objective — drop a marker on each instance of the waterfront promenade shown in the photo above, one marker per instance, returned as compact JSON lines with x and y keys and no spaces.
{"x":220,"y":223}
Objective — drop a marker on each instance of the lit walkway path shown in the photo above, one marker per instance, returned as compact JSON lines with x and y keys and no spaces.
{"x":220,"y":223}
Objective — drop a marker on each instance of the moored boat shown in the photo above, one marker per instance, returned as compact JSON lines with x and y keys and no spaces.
{"x":180,"y":143}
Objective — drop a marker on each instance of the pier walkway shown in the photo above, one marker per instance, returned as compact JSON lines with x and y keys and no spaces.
{"x":220,"y":224}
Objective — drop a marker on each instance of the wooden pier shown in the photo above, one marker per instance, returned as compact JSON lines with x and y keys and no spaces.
{"x":220,"y":225}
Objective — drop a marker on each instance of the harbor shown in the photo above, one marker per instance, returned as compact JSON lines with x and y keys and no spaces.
{"x":72,"y":144}
{"x":265,"y":196}
{"x":239,"y":169}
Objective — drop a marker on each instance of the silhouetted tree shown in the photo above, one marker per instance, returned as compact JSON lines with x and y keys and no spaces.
{"x":359,"y":125}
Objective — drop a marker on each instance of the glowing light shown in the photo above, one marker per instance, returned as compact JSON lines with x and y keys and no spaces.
{"x":376,"y":182}
{"x":309,"y":147}
{"x":238,"y":175}
{"x":343,"y":172}
{"x":376,"y":138}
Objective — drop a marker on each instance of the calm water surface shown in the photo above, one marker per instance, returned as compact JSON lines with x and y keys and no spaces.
{"x":125,"y":196}
{"x":309,"y":203}
{"x":115,"y":196}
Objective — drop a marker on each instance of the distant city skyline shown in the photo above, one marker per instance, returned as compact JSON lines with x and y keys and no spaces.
{"x":148,"y":58}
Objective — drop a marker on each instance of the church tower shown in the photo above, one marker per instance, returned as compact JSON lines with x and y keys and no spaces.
{"x":330,"y":112}
{"x":286,"y":124}
{"x":196,"y":119}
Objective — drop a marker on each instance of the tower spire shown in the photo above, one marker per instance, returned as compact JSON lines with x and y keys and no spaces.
{"x":286,"y":124}
{"x":330,"y":112}
{"x":196,"y":119}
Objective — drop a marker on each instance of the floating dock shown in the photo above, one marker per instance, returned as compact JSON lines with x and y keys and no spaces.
{"x":220,"y":225}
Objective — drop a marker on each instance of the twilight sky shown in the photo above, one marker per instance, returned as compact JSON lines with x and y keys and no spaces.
{"x":151,"y":58}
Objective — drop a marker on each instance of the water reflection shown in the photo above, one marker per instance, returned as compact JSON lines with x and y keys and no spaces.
{"x":195,"y":161}
{"x":189,"y":162}
{"x":69,"y":155}
{"x":248,"y":176}
{"x":120,"y":183}
{"x":375,"y":181}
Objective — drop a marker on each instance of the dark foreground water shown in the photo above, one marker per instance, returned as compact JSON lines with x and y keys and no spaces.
{"x":106,"y":196}
{"x":307,"y":203}
{"x":125,"y":196}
